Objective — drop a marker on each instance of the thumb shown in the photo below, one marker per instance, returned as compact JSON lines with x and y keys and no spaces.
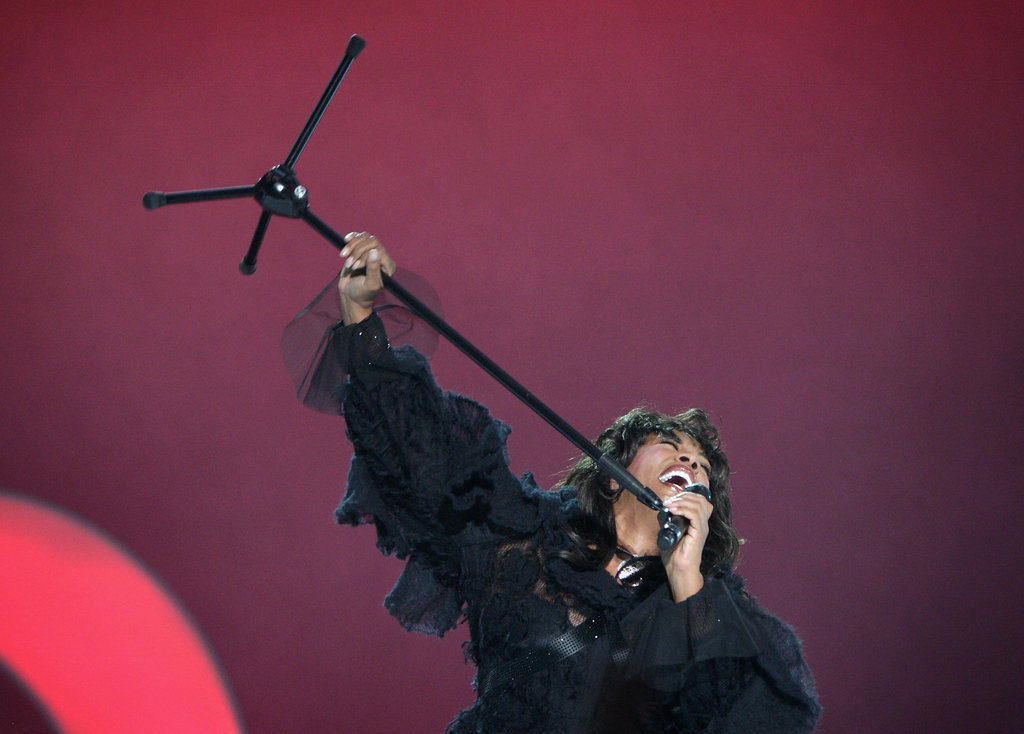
{"x":373,"y":278}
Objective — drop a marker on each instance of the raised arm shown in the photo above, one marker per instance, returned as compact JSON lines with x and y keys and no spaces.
{"x":430,"y":469}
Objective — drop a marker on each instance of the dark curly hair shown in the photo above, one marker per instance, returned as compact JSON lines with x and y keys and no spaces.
{"x":594,"y":534}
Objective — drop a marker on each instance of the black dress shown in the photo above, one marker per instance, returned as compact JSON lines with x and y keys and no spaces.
{"x":558,"y":649}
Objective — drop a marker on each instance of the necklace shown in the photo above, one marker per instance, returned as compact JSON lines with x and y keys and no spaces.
{"x":630,"y":572}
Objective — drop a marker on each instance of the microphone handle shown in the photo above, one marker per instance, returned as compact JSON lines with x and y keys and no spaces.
{"x":674,"y":528}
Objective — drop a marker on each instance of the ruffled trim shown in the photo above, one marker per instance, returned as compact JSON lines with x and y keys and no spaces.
{"x":431,"y":473}
{"x":783,"y":651}
{"x":667,"y":637}
{"x":315,"y":344}
{"x":424,"y":599}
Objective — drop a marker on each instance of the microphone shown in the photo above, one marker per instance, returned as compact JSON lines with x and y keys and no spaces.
{"x":674,"y":528}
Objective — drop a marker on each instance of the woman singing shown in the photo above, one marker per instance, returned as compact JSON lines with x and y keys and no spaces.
{"x":578,"y":623}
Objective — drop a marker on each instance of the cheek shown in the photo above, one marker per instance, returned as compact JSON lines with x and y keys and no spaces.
{"x":648,"y":465}
{"x":639,"y":461}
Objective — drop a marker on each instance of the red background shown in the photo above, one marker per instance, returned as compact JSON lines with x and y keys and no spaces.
{"x":804,"y":216}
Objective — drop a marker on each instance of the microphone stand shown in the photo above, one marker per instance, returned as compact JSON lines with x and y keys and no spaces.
{"x":279,"y":192}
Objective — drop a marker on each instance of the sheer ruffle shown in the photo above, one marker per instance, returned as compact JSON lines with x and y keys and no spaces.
{"x":315,"y":344}
{"x":718,"y":663}
{"x":666,"y":638}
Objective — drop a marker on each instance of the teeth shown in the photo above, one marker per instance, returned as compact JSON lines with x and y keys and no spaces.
{"x":667,"y":477}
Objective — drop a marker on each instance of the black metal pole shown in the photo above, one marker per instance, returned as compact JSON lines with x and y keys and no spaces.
{"x":604,"y":462}
{"x":157,"y":199}
{"x":355,"y":45}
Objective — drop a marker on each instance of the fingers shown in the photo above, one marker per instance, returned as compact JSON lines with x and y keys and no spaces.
{"x":690,"y":497}
{"x":694,"y":507}
{"x":361,"y":280}
{"x":357,"y":249}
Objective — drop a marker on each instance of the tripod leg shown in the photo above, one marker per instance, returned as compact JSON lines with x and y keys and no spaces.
{"x":157,"y":199}
{"x":355,"y":45}
{"x":248,"y":264}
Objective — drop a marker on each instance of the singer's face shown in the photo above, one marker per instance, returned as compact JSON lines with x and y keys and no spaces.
{"x":667,"y":464}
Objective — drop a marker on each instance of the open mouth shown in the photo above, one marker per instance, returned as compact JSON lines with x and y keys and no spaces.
{"x":677,"y":477}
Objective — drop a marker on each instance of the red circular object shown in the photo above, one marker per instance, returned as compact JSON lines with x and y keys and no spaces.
{"x":96,"y":637}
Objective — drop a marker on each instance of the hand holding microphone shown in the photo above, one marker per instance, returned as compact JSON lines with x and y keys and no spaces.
{"x":674,"y":527}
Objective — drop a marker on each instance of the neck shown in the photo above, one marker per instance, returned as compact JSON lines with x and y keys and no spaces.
{"x":636,"y":526}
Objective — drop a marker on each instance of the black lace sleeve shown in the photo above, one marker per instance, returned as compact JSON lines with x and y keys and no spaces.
{"x":719,"y":662}
{"x":315,"y":344}
{"x":430,"y":471}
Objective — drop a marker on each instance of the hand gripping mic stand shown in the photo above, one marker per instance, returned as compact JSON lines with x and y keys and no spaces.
{"x":279,"y":192}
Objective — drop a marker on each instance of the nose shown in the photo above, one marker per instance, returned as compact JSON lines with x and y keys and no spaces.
{"x":688,"y":460}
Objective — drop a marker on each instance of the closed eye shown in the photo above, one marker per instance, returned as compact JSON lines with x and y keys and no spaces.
{"x":675,"y":445}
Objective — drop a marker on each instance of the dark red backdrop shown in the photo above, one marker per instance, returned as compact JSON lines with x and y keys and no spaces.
{"x":805,"y":216}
